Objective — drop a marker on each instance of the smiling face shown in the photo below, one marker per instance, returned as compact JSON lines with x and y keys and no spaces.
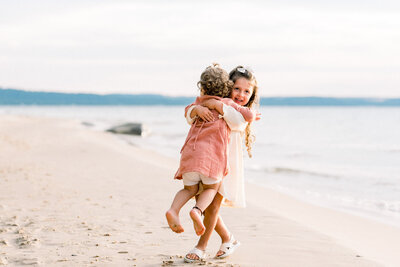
{"x":242,"y":91}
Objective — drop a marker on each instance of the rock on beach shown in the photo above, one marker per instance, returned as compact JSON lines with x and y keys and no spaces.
{"x":130,"y":128}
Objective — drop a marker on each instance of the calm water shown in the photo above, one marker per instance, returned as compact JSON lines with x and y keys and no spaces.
{"x":344,"y":158}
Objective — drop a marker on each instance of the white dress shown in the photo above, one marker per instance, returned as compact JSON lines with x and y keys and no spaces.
{"x":232,"y":188}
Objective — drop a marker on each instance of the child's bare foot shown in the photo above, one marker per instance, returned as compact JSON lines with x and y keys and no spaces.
{"x":195,"y":214}
{"x":173,"y":221}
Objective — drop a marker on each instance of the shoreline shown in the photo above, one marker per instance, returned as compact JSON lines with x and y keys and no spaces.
{"x":387,"y":220}
{"x":68,"y":190}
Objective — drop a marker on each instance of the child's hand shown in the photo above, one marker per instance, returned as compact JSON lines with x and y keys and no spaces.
{"x":204,"y":113}
{"x":258,"y":116}
{"x":210,"y":103}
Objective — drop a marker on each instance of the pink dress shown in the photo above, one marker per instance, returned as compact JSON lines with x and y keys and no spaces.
{"x":206,"y":147}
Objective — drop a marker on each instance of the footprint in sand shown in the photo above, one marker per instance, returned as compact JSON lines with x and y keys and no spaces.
{"x":33,"y":261}
{"x":25,"y":239}
{"x":3,"y":261}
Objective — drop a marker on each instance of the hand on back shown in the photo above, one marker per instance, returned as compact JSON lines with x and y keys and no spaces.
{"x":204,"y":113}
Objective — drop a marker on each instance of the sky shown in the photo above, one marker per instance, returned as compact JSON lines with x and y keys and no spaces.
{"x":295,"y":48}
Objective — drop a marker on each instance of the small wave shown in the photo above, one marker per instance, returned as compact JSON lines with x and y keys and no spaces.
{"x":286,"y":170}
{"x":388,"y":206}
{"x":394,"y":150}
{"x":300,"y":155}
{"x":268,"y":144}
{"x":384,"y":184}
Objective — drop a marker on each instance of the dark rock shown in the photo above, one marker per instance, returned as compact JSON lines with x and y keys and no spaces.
{"x":88,"y":124}
{"x":129,"y":128}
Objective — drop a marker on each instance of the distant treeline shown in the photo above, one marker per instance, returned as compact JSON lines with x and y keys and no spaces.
{"x":20,"y":97}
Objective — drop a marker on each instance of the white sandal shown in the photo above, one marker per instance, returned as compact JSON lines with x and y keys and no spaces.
{"x":199,"y":253}
{"x":228,"y":248}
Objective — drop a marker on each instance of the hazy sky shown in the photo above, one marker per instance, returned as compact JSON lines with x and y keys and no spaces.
{"x":297,"y":48}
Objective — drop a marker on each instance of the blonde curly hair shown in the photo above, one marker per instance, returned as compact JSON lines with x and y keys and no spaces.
{"x":242,"y":72}
{"x":215,"y":81}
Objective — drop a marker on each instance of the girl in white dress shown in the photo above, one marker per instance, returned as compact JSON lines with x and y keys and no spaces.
{"x":231,"y":193}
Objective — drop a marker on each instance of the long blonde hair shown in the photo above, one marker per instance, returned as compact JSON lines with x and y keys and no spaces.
{"x":242,"y":72}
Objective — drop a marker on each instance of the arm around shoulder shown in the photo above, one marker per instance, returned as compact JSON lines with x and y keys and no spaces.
{"x":248,"y":114}
{"x":234,"y":118}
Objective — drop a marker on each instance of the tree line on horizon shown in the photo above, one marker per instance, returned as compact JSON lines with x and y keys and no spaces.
{"x":21,"y":97}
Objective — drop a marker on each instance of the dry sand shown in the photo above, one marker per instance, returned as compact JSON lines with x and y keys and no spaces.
{"x":70,"y":196}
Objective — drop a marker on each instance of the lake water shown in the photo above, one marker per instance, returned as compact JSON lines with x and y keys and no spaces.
{"x":346,"y":158}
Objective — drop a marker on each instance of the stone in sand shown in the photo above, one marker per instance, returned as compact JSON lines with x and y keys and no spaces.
{"x":130,"y":128}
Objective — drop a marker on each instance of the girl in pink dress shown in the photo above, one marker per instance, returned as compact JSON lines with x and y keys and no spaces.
{"x":204,"y":154}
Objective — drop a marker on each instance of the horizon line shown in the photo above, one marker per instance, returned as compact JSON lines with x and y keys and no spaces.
{"x":176,"y":96}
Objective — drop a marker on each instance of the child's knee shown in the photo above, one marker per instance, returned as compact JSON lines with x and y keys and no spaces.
{"x":211,"y":186}
{"x":192,"y":189}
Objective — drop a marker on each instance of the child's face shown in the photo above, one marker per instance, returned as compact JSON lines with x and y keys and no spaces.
{"x":242,"y":91}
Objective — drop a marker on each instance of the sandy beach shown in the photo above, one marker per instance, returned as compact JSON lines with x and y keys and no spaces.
{"x":72,"y":196}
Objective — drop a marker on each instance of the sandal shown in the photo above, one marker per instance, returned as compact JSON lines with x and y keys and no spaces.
{"x":228,"y":248}
{"x":199,"y":253}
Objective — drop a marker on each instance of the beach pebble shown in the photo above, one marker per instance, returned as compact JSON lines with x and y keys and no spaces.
{"x":3,"y":242}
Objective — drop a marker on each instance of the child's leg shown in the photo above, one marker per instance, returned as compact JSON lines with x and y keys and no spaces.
{"x":210,"y":220}
{"x":204,"y":200}
{"x":180,"y":199}
{"x":223,"y":232}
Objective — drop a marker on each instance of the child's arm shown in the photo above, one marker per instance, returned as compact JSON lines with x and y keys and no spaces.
{"x":193,"y":111}
{"x":248,"y":114}
{"x":233,"y":118}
